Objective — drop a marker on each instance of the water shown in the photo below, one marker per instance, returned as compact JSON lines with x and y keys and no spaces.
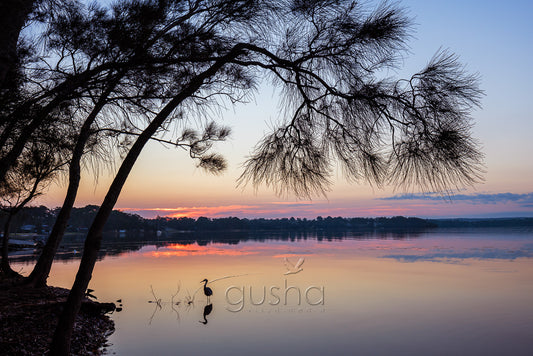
{"x":434,"y":293}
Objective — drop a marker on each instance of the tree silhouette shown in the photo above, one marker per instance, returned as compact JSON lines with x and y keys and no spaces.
{"x":38,"y":167}
{"x":326,"y":56}
{"x":152,"y":64}
{"x":88,"y":35}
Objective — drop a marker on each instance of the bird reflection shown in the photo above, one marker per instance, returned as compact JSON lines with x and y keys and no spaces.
{"x":207,"y":310}
{"x":207,"y":291}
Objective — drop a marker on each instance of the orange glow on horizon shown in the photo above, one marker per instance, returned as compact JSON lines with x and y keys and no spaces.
{"x":197,"y":250}
{"x":347,"y":209}
{"x":273,"y":209}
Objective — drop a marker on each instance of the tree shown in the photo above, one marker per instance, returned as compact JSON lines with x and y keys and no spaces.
{"x":27,"y":95}
{"x":42,"y":268}
{"x":27,"y":181}
{"x":89,"y":35}
{"x":327,"y":57}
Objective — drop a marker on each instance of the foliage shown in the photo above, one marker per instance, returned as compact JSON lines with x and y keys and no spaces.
{"x":329,"y":58}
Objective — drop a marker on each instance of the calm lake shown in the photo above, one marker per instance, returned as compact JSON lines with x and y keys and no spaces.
{"x":441,"y":292}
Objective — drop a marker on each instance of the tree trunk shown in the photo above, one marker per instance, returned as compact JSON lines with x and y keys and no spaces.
{"x":6,"y":268}
{"x":40,"y":272}
{"x":61,"y":341}
{"x":62,"y":336}
{"x":13,"y":15}
{"x":5,"y":247}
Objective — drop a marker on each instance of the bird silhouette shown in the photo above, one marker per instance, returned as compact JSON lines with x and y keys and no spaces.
{"x":207,"y":310}
{"x":293,"y":268}
{"x":89,"y":293}
{"x":207,"y":291}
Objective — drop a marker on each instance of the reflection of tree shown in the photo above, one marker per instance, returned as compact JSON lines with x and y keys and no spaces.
{"x":116,"y":246}
{"x":70,"y":251}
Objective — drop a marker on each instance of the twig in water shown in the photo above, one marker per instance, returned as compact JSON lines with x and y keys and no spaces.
{"x":156,"y":300}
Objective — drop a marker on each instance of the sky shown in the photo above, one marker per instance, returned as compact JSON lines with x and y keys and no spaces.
{"x":492,"y":38}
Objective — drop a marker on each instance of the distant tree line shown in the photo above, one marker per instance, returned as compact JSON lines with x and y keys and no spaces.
{"x":41,"y":218}
{"x":483,"y":222}
{"x":294,"y":224}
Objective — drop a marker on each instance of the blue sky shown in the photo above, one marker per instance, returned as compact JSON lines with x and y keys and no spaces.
{"x":493,"y":38}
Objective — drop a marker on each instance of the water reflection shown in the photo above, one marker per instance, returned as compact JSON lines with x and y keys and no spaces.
{"x":454,"y":257}
{"x":207,"y":310}
{"x":438,"y":293}
{"x":182,"y":243}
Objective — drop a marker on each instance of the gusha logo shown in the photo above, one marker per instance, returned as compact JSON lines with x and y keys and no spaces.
{"x":293,"y":268}
{"x":237,"y":296}
{"x":293,"y":297}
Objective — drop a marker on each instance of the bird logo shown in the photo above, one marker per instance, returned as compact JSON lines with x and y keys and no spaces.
{"x":293,"y":268}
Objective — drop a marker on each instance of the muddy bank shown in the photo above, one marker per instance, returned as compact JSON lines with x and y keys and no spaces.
{"x":28,"y":318}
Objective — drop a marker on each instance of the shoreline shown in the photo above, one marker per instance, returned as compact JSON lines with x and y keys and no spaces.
{"x":28,"y":317}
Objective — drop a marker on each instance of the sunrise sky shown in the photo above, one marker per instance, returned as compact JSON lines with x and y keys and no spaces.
{"x":492,"y":38}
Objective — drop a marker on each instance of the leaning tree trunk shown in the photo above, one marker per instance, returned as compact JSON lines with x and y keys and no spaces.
{"x":63,"y":333}
{"x":6,"y":268}
{"x":40,"y":272}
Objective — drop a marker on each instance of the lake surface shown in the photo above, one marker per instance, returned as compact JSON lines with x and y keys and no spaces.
{"x":434,"y":293}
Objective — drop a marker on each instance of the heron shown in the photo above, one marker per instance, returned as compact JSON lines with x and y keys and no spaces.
{"x":207,"y":291}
